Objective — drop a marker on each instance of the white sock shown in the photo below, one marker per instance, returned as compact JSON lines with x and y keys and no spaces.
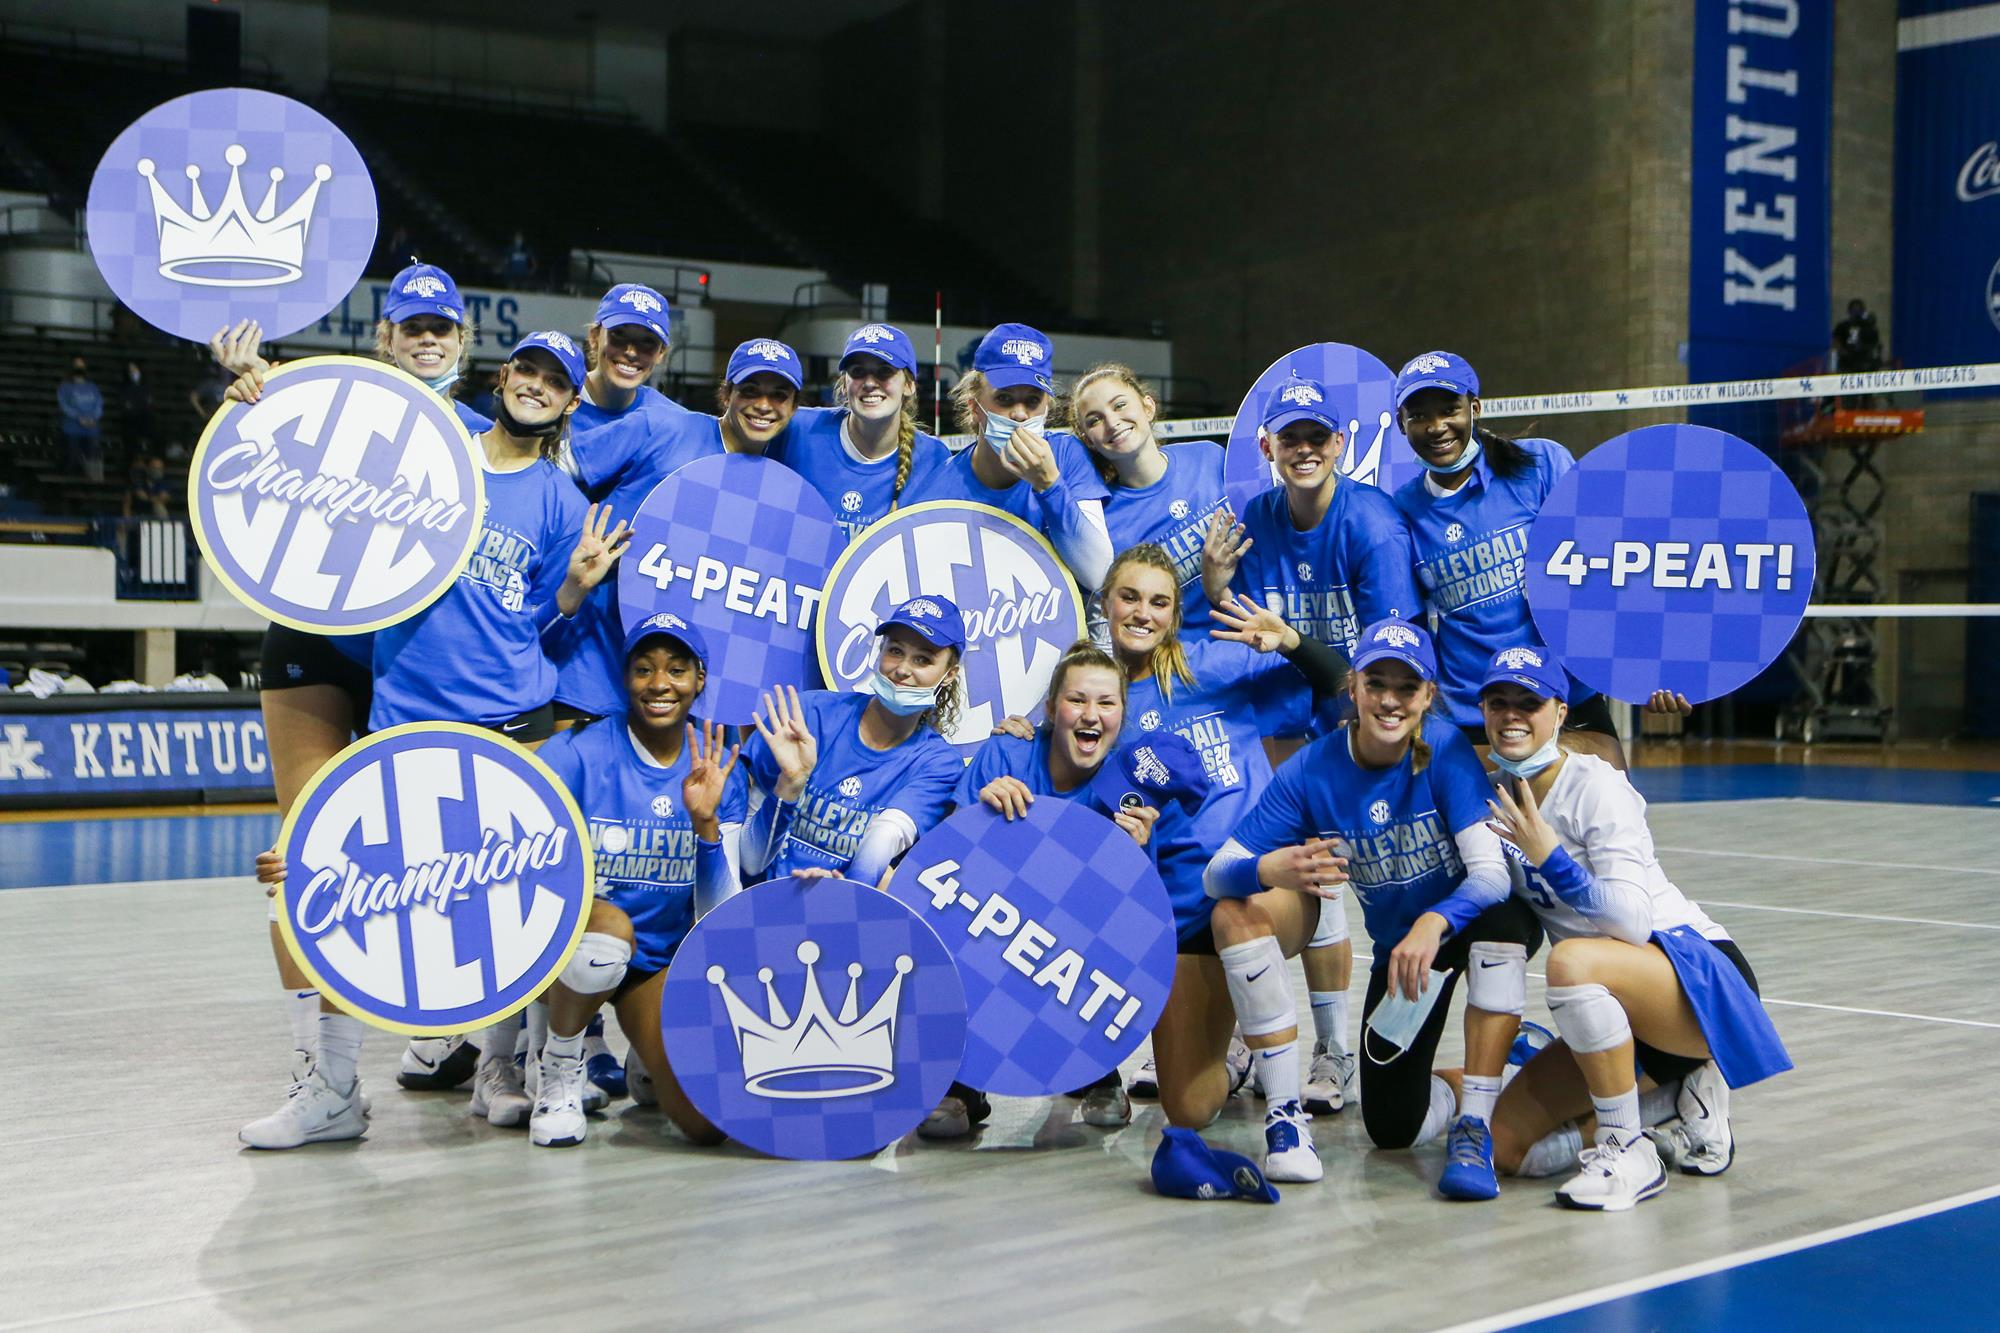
{"x":538,"y":1029}
{"x":1278,"y":1072}
{"x":1330,"y":1019}
{"x":1554,"y":1153}
{"x":1443,"y":1110}
{"x":1618,"y":1115}
{"x":496,"y":1040}
{"x":339,"y":1050}
{"x":569,"y":1048}
{"x":1480,"y":1094}
{"x":302,"y":1008}
{"x":1659,"y":1105}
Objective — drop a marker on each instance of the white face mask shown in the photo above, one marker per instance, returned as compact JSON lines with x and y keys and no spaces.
{"x":1397,"y":1021}
{"x":442,"y":382}
{"x":1534,"y":763}
{"x":903,"y":700}
{"x":1000,"y":429}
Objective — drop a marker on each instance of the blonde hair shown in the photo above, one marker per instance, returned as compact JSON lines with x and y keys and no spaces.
{"x":906,"y":428}
{"x":1125,"y":375}
{"x":942,"y":716}
{"x":1420,"y":749}
{"x":593,"y":346}
{"x":970,"y":417}
{"x":1080,"y":655}
{"x":468,"y":334}
{"x":1168,"y":659}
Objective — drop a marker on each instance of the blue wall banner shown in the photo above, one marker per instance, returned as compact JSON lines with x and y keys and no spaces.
{"x":1947,"y":185}
{"x":1759,"y":243}
{"x":130,"y":751}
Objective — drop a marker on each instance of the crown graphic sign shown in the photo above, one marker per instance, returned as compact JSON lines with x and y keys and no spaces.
{"x":816,"y":1053}
{"x":230,"y":246}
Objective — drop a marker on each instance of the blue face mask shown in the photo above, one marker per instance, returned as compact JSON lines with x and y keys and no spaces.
{"x":443,"y":382}
{"x":1000,"y":429}
{"x":1533,"y":764}
{"x":903,"y":700}
{"x":1466,"y":457}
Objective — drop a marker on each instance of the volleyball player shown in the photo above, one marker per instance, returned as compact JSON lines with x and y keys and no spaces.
{"x":626,"y":342}
{"x":1394,"y":804}
{"x":1638,"y":975}
{"x":665,"y":807}
{"x":1015,"y":462}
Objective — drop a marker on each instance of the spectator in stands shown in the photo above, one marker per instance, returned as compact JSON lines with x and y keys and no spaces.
{"x":1857,"y":342}
{"x":520,"y":260}
{"x":147,"y":491}
{"x":135,"y":410}
{"x":82,"y":405}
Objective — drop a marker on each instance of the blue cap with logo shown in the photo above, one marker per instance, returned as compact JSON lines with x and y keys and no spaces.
{"x":885,"y":341}
{"x":764,"y":354}
{"x":935,"y":620}
{"x":422,"y":289}
{"x":635,"y":303}
{"x":1398,"y":639}
{"x":1151,"y":769}
{"x":1299,"y":399}
{"x":671,"y":625}
{"x":1437,"y":370}
{"x":1014,"y":355}
{"x":559,"y":345}
{"x":1532,"y":668}
{"x":1185,"y":1167}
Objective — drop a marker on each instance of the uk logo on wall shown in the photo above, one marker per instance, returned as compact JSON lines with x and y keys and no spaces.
{"x":437,"y":878}
{"x":347,"y":498}
{"x":1022,"y":611}
{"x":1363,"y":397}
{"x":231,"y":204}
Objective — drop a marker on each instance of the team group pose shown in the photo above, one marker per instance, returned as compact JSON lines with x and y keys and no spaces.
{"x":1323,"y":680}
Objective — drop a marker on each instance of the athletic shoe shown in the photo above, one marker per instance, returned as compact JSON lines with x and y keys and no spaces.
{"x":1289,"y":1154}
{"x":1105,"y":1103}
{"x":1145,"y":1084}
{"x":1468,"y":1167}
{"x":302,"y":1063}
{"x":437,"y":1064}
{"x":1616,"y":1174}
{"x":499,"y":1095}
{"x":558,"y":1120}
{"x":954,"y":1117}
{"x":314,"y":1112}
{"x":603,"y":1068}
{"x":1701,"y":1143}
{"x":1242,"y":1068}
{"x":1322,"y":1090}
{"x":1350,"y":1077}
{"x":1531,"y":1038}
{"x":638,"y":1082}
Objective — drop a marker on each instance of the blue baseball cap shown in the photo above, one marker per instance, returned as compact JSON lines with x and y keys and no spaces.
{"x":559,"y":345}
{"x":1299,"y":399}
{"x":1185,"y":1167}
{"x":1437,"y":370}
{"x":1532,"y":668}
{"x":886,"y":341}
{"x":935,"y":620}
{"x":635,"y":303}
{"x":671,"y":625}
{"x":764,"y":354}
{"x":1151,"y":769}
{"x":422,"y":289}
{"x":1407,"y":643}
{"x":1013,"y":355}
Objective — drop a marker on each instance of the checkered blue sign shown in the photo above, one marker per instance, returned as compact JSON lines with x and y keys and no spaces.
{"x":815,"y":1019}
{"x":231,"y":204}
{"x":1361,"y":395}
{"x":740,"y":546}
{"x":347,"y":498}
{"x":1022,"y":610}
{"x":1063,"y":935}
{"x":437,"y":877}
{"x":1670,"y":558}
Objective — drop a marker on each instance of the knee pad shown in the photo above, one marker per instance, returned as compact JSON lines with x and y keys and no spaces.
{"x":1588,"y":1017}
{"x":1332,"y":928}
{"x":598,"y":965}
{"x":1260,"y":987}
{"x":1496,"y":978}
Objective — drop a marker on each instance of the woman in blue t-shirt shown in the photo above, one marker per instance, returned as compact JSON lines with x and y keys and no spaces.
{"x":1394,"y":803}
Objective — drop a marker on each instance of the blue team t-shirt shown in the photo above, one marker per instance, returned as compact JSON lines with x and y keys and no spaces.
{"x":859,"y":492}
{"x":1401,"y":825}
{"x":1172,"y":846}
{"x":1348,"y":571}
{"x":1173,"y":511}
{"x":851,"y":783}
{"x":475,"y":654}
{"x":471,"y":420}
{"x":640,"y":832}
{"x":1471,"y":550}
{"x":647,"y":404}
{"x":955,"y":481}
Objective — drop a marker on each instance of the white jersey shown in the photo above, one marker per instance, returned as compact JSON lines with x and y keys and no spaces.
{"x":1601,"y":821}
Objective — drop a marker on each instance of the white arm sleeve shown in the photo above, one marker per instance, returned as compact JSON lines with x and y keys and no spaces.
{"x":1086,"y":546}
{"x":889,"y":834}
{"x":1485,"y":864}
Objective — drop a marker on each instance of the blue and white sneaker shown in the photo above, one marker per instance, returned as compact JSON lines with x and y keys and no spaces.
{"x":1468,"y":1169}
{"x":606,"y":1071}
{"x":1289,"y":1154}
{"x":1616,"y":1174}
{"x":638,"y":1082}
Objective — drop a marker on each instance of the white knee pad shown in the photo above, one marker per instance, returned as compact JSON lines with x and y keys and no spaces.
{"x":598,"y":965}
{"x":1260,"y":986}
{"x":1332,"y":928}
{"x":1588,"y":1017}
{"x":1496,"y":978}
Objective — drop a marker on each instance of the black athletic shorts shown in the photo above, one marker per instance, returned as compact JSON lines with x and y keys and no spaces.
{"x":573,"y":715}
{"x":1593,"y":714}
{"x":1200,"y":944}
{"x":292,"y":658}
{"x":537,"y":724}
{"x":634,"y":978}
{"x":1661,"y":1066}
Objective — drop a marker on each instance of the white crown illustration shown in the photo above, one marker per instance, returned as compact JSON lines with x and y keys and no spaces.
{"x":1301,"y":394}
{"x":200,"y":245}
{"x":817,"y":1054}
{"x":872,"y":333}
{"x":1516,"y":658}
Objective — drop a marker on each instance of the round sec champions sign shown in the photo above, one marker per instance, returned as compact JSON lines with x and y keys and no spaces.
{"x":1363,"y":398}
{"x":740,"y":547}
{"x":437,"y":877}
{"x":345,"y":499}
{"x":231,"y":204}
{"x":1670,"y":558}
{"x":815,"y":1020}
{"x":1022,"y":611}
{"x":1064,"y":939}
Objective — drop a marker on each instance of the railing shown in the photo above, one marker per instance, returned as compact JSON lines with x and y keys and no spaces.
{"x":62,"y":313}
{"x":38,"y":228}
{"x":589,"y":272}
{"x":481,"y":95}
{"x":88,"y":42}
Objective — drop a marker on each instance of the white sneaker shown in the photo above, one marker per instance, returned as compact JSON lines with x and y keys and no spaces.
{"x":314,"y":1112}
{"x":1700,"y":1142}
{"x":302,"y":1063}
{"x":1242,"y":1068}
{"x":1322,"y":1091}
{"x":1350,"y":1077}
{"x":498,"y":1093}
{"x":1146,"y":1083}
{"x":1106,"y":1104}
{"x":558,"y":1121}
{"x":638,"y":1082}
{"x":1289,"y":1154}
{"x":437,"y":1064}
{"x":1616,"y":1174}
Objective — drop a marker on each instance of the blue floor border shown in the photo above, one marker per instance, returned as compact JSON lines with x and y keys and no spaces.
{"x":1742,"y":782}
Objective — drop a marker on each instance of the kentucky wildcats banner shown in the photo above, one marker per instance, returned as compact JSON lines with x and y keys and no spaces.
{"x":117,"y":753}
{"x":1759,"y":251}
